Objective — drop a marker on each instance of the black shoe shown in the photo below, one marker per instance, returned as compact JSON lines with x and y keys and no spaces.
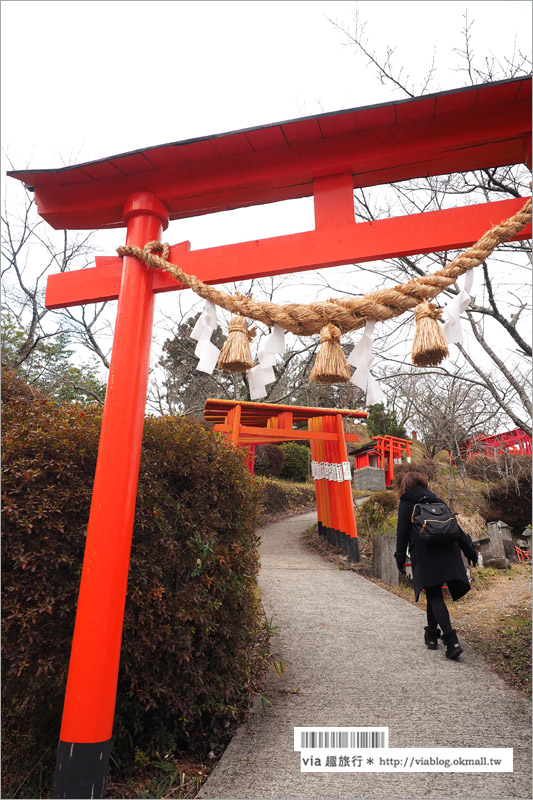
{"x":453,"y":648}
{"x":431,"y":636}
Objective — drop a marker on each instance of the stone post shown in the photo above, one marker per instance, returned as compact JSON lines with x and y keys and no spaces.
{"x":384,"y":561}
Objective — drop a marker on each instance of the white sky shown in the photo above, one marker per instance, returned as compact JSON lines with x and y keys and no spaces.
{"x":84,"y":80}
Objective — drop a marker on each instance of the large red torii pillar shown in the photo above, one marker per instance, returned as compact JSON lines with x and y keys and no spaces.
{"x":326,"y":156}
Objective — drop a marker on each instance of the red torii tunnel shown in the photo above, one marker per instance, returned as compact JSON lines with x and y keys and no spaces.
{"x":515,"y":442}
{"x":325,"y":156}
{"x":248,"y":424}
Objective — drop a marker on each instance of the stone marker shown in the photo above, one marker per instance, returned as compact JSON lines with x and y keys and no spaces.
{"x":384,"y":561}
{"x":370,"y":478}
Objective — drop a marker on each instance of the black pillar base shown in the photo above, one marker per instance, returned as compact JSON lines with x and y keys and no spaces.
{"x":320,"y":529}
{"x":81,"y":769}
{"x":353,"y":549}
{"x":344,"y":543}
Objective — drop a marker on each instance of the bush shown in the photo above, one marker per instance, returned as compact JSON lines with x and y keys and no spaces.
{"x":193,"y":621}
{"x":297,"y":461}
{"x":375,"y":513}
{"x":486,"y":469}
{"x":282,"y":499}
{"x":426,"y":466}
{"x":509,"y":500}
{"x":269,"y":460}
{"x":387,"y":500}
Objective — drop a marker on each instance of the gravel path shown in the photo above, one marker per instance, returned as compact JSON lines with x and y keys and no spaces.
{"x":357,"y":659}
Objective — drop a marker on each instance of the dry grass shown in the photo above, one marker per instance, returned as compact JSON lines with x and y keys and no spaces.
{"x":474,"y":526}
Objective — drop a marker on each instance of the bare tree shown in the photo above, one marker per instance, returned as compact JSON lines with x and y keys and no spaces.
{"x":445,"y":409}
{"x":30,"y":251}
{"x":182,"y":389}
{"x":497,"y":350}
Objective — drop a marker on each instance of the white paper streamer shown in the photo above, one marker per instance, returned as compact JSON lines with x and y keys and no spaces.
{"x":263,"y":373}
{"x":275,"y":341}
{"x":361,"y":358}
{"x":331,"y":472}
{"x":255,"y":383}
{"x":452,"y":327}
{"x":203,"y":330}
{"x":374,"y":393}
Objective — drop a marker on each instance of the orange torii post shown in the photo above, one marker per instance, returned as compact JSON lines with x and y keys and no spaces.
{"x":391,"y":449}
{"x":318,"y":454}
{"x":325,"y":157}
{"x":246,"y":423}
{"x":317,"y":458}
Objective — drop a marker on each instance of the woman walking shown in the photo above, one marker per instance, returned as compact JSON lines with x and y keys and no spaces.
{"x":433,"y":564}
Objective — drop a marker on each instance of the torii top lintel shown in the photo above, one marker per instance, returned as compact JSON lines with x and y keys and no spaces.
{"x":465,"y":129}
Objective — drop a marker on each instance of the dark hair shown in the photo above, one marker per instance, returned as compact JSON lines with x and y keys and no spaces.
{"x":411,"y":479}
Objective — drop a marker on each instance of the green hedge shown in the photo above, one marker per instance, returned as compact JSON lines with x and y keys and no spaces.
{"x":297,"y":462}
{"x":193,"y":632}
{"x":269,"y":460}
{"x":285,"y":498}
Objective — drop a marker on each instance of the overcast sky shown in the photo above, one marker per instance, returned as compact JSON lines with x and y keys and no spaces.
{"x":84,"y":80}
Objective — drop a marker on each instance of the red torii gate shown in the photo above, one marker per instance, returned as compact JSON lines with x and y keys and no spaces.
{"x":391,"y":449}
{"x":384,"y":454}
{"x":326,"y":156}
{"x":515,"y":442}
{"x":248,"y":424}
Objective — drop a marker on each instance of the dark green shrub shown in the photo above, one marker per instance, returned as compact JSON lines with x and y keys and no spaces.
{"x":383,"y":422}
{"x":269,"y":460}
{"x":193,"y":621}
{"x":387,"y":500}
{"x":297,"y":462}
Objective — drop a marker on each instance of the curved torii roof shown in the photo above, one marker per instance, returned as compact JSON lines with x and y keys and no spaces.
{"x":463,"y":129}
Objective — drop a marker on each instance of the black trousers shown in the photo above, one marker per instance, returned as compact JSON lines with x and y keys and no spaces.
{"x":437,"y":612}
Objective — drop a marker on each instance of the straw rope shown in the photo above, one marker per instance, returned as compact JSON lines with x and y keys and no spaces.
{"x":348,"y":314}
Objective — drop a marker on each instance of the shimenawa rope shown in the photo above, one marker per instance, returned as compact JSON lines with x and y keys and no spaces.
{"x":334,"y":317}
{"x":347,"y":314}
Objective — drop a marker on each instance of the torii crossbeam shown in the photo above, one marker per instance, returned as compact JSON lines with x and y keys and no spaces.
{"x":325,"y":156}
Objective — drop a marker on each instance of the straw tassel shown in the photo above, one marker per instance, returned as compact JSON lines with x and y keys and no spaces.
{"x":429,"y":345}
{"x":330,"y":365}
{"x":235,"y":356}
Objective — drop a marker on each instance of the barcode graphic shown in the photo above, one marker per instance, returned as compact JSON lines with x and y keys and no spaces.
{"x":337,"y":739}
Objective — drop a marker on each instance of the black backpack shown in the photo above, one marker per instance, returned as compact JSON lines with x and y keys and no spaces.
{"x":434,"y":523}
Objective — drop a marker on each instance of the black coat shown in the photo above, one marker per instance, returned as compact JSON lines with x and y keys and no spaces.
{"x":433,"y":565}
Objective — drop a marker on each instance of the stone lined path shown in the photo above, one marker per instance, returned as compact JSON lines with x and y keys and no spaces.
{"x":358,"y":659}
